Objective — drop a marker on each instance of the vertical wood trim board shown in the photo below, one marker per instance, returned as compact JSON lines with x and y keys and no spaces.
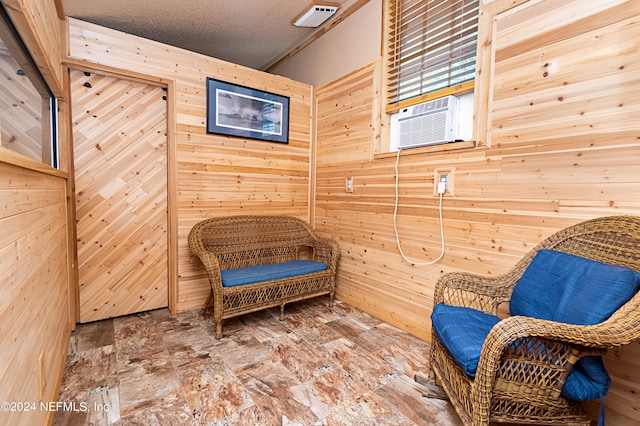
{"x":120,"y":153}
{"x":172,"y":213}
{"x":215,"y":175}
{"x":67,"y":163}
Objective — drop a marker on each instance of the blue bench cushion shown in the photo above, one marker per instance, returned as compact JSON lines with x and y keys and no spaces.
{"x":274,"y":271}
{"x":462,"y":331}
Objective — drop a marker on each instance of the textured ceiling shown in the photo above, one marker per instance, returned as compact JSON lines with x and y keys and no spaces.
{"x":254,"y":33}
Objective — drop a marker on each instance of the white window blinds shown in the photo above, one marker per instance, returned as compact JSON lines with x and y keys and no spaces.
{"x":431,"y":46}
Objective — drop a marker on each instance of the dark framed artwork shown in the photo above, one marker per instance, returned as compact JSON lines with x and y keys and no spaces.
{"x":247,"y":113}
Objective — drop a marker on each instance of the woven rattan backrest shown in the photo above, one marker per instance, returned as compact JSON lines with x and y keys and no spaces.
{"x":241,"y":241}
{"x":614,"y":240}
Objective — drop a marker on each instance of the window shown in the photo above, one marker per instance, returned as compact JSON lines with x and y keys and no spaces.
{"x":27,"y":106}
{"x":431,"y":48}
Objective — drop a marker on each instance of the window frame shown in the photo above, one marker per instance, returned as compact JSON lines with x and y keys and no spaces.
{"x":390,"y":40}
{"x":49,"y":106}
{"x":477,"y":87}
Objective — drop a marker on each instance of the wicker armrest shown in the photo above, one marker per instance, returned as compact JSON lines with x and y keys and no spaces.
{"x":212,"y":266}
{"x":541,"y":348}
{"x":513,"y":328}
{"x":620,"y":329}
{"x":473,"y":291}
{"x":209,"y":260}
{"x":558,"y":340}
{"x":326,"y":251}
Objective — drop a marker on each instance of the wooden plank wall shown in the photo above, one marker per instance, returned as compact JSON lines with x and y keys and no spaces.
{"x":564,"y":147}
{"x":35,"y":267}
{"x":215,"y":175}
{"x":34,"y":279}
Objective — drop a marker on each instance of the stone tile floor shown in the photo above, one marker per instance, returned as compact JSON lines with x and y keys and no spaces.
{"x":320,"y":366}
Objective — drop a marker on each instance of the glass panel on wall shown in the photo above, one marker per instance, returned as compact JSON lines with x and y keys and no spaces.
{"x":27,"y":106}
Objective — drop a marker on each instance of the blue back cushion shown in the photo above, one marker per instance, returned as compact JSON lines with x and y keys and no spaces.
{"x":273,"y":271}
{"x":561,"y":287}
{"x":587,"y":380}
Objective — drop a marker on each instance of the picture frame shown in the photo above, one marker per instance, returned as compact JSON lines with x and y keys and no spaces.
{"x":235,"y":110}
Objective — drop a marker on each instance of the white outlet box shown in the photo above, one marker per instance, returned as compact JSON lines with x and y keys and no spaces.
{"x":348,"y":184}
{"x":447,"y":173}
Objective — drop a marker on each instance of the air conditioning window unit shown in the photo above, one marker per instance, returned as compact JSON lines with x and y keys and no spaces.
{"x":430,"y":123}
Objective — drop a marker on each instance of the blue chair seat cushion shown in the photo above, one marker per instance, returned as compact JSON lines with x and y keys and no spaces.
{"x":462,"y":331}
{"x":269,"y":272}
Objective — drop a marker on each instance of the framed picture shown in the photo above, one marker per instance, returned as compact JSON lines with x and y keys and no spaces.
{"x":248,"y":113}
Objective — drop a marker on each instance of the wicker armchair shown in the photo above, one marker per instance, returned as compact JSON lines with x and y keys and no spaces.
{"x":235,"y":242}
{"x":524,"y":362}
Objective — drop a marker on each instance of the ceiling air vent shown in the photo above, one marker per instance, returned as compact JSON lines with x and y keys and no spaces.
{"x":317,"y":13}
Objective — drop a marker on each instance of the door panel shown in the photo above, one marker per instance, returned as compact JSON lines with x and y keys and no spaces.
{"x":120,"y":154}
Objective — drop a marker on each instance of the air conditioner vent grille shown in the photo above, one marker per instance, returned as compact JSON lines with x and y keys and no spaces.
{"x":429,"y":123}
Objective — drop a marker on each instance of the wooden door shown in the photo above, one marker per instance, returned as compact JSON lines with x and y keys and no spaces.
{"x":120,"y":154}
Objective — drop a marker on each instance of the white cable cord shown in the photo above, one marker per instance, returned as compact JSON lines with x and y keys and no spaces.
{"x":395,"y":226}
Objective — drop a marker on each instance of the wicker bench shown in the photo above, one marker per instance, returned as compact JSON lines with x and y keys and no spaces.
{"x":254,"y":263}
